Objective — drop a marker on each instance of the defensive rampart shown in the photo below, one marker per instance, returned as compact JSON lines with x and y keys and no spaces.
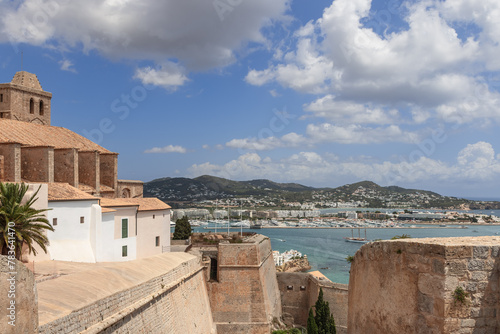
{"x":243,"y":291}
{"x":299,"y":292}
{"x":18,"y":298}
{"x":160,"y":294}
{"x":414,"y":286}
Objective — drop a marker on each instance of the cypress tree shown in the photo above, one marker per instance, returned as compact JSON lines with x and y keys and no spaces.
{"x":324,"y":319}
{"x":312,"y":328}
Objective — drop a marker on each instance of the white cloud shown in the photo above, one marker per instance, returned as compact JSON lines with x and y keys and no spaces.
{"x":190,"y":32}
{"x":168,"y":76}
{"x":67,"y":65}
{"x":476,"y":163}
{"x":167,"y":149}
{"x":328,"y":133}
{"x":350,"y":112}
{"x":356,"y":134}
{"x":427,"y":69}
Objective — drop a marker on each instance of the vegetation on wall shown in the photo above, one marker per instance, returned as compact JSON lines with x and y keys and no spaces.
{"x":21,"y":224}
{"x":459,"y":295}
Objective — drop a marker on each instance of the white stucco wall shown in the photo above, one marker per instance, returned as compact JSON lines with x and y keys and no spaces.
{"x":71,"y":240}
{"x":41,"y":203}
{"x":148,"y":228}
{"x":109,"y":248}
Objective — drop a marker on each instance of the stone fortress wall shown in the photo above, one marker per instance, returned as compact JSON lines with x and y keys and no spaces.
{"x":299,"y":292}
{"x":158,"y":294}
{"x":400,"y":286}
{"x":245,"y":298}
{"x":21,"y":290}
{"x":407,"y":286}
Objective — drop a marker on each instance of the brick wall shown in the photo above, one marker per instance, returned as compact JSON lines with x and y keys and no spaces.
{"x":89,"y":169}
{"x":12,"y":161}
{"x":109,"y":169}
{"x":37,"y":164}
{"x":299,"y":292}
{"x":131,"y":189}
{"x":66,"y":166}
{"x":16,"y":102}
{"x":245,"y":298}
{"x":407,"y":286}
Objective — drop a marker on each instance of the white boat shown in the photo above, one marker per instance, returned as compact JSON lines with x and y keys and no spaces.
{"x":358,"y":239}
{"x":244,"y":223}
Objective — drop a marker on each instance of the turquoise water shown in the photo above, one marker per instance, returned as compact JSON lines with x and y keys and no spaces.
{"x":326,"y":248}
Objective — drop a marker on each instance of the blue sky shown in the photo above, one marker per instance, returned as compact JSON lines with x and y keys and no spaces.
{"x":316,"y":92}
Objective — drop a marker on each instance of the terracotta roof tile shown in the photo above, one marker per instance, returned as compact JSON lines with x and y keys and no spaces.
{"x":144,"y":204}
{"x":66,"y":192}
{"x":115,"y":202}
{"x":29,"y":134}
{"x":106,"y":210}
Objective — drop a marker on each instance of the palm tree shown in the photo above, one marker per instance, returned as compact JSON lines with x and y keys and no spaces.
{"x":21,"y":224}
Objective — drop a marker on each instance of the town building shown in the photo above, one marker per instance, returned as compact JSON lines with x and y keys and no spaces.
{"x":96,"y":217}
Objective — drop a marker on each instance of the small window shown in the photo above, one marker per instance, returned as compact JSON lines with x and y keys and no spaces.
{"x":157,"y":241}
{"x":54,"y":221}
{"x":41,"y":108}
{"x":289,"y":287}
{"x":125,"y":228}
{"x":124,"y":251}
{"x":1,"y":97}
{"x":153,"y":216}
{"x":82,"y":220}
{"x":213,"y":269}
{"x":32,"y":106}
{"x":302,"y":288}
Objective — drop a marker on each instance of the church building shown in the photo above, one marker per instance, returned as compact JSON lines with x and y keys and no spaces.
{"x":96,"y":217}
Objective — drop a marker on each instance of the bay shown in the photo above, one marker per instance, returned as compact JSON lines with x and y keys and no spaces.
{"x":326,"y":249}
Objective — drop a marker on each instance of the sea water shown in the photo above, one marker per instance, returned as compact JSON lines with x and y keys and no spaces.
{"x":326,"y":249}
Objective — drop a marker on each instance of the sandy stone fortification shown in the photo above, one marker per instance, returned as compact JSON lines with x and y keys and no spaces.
{"x":407,"y":286}
{"x":399,"y":286}
{"x":23,"y":292}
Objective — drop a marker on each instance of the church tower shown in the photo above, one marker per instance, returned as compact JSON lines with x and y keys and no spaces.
{"x":23,"y":99}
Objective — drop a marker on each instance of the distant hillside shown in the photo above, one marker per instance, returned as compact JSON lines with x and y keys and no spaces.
{"x":205,"y":187}
{"x":184,"y":191}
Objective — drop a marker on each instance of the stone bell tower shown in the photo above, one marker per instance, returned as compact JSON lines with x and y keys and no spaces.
{"x":23,"y":99}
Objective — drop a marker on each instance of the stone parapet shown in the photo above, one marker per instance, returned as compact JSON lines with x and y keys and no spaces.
{"x":158,"y":294}
{"x":410,"y":286}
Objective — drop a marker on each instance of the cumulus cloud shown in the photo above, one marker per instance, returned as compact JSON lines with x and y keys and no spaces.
{"x":167,"y":75}
{"x":366,"y":72}
{"x":329,"y":133}
{"x":475,"y":163}
{"x":167,"y":149}
{"x":350,"y":112}
{"x":191,"y":32}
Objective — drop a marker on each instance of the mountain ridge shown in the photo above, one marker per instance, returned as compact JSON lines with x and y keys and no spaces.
{"x":184,"y":190}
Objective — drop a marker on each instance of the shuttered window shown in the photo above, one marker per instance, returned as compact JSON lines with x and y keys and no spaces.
{"x":125,"y":228}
